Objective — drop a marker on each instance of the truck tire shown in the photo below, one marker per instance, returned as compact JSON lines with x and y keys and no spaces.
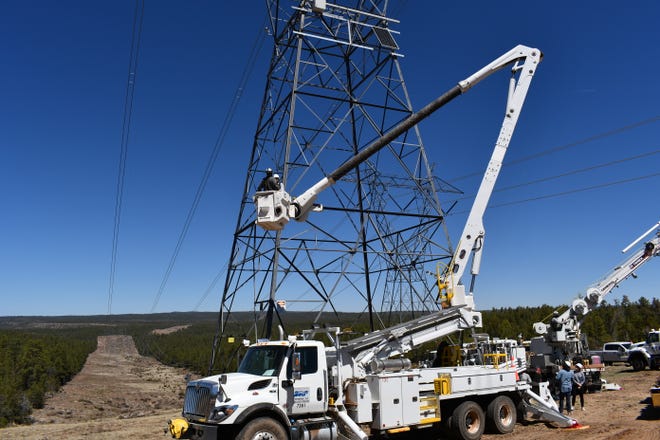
{"x":468,"y":421}
{"x":638,"y":363}
{"x":501,"y":415}
{"x":263,"y":428}
{"x":655,"y":363}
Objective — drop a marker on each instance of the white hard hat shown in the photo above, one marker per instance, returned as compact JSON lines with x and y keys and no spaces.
{"x":567,"y":363}
{"x":277,"y":176}
{"x":579,"y":365}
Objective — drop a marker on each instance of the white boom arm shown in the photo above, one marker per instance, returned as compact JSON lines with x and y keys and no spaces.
{"x":276,"y":207}
{"x":567,"y":324}
{"x":472,"y":238}
{"x":402,"y":338}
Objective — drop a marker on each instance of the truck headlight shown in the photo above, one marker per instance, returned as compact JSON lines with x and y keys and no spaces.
{"x":222,"y":412}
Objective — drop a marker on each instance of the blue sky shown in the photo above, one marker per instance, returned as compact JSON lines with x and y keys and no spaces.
{"x":594,"y":101}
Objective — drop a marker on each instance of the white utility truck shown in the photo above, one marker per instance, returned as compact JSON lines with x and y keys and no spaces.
{"x":647,"y":354}
{"x":562,"y":339}
{"x":299,"y":387}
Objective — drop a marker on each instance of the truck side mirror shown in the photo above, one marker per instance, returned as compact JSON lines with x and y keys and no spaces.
{"x":295,"y":365}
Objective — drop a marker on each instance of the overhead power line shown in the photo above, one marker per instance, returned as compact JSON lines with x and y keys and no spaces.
{"x":136,"y":38}
{"x":229,"y":116}
{"x":565,"y":193}
{"x":577,"y":190}
{"x":568,"y":173}
{"x":211,"y":287}
{"x":566,"y":146}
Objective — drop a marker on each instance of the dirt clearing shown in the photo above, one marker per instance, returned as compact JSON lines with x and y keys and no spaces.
{"x":117,"y":395}
{"x":122,"y":395}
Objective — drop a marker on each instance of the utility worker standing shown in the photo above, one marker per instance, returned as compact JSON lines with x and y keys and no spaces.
{"x":565,"y":379}
{"x":579,"y":384}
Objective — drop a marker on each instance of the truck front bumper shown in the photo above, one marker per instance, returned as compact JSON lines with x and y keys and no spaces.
{"x":181,"y":428}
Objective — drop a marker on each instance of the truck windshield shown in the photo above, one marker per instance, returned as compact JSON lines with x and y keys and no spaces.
{"x":263,"y":361}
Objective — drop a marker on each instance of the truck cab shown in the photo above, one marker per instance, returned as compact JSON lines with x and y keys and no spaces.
{"x":278,"y":380}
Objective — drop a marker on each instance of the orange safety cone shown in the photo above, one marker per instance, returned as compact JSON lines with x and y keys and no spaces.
{"x":577,"y":425}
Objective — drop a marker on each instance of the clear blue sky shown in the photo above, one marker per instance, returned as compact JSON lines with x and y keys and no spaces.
{"x":62,"y":89}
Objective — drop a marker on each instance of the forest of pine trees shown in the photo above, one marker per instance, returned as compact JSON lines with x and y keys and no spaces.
{"x":33,"y":365}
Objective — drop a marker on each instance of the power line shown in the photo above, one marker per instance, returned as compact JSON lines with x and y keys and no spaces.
{"x":577,"y":190}
{"x":566,"y":146}
{"x":211,"y":287}
{"x":565,"y":193}
{"x":136,"y":37}
{"x":229,"y":116}
{"x":569,"y":173}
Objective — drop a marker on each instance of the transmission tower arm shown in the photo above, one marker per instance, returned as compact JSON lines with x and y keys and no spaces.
{"x":276,"y":207}
{"x":569,"y":321}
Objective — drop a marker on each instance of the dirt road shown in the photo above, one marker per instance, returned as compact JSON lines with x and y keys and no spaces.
{"x":122,"y":395}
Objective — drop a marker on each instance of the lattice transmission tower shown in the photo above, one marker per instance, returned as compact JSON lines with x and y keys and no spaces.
{"x":334,"y":85}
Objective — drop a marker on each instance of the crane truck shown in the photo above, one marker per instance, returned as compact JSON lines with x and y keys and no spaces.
{"x":561,"y":339}
{"x":298,"y":388}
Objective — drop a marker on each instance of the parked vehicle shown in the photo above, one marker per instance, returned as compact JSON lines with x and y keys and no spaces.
{"x":647,"y":355}
{"x":612,"y":352}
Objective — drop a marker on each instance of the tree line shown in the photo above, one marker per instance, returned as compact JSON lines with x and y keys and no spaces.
{"x":32,"y":365}
{"x":623,"y":320}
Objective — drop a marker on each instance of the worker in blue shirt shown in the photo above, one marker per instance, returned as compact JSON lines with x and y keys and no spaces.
{"x":565,"y":379}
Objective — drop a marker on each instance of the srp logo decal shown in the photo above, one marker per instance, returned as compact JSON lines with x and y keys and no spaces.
{"x":301,"y":395}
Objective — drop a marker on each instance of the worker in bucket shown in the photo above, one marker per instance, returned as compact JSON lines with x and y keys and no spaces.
{"x":565,"y":379}
{"x":271,"y":182}
{"x":579,"y":384}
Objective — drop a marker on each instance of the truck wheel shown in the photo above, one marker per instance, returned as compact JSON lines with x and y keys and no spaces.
{"x":655,"y":364}
{"x":468,"y":421}
{"x":637,"y":363}
{"x":501,"y":415}
{"x":263,"y":428}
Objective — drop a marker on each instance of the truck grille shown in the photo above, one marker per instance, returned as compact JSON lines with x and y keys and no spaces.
{"x":199,"y":400}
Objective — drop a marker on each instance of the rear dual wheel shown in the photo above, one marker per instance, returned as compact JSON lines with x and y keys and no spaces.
{"x":501,"y":415}
{"x":468,"y":421}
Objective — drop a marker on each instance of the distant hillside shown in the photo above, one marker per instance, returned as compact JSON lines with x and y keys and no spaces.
{"x":164,"y":319}
{"x":29,"y":322}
